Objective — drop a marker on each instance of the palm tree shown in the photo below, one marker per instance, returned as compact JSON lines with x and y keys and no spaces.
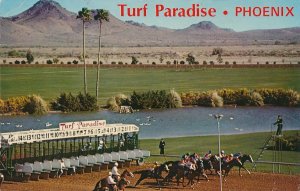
{"x":85,"y":16}
{"x":101,"y":15}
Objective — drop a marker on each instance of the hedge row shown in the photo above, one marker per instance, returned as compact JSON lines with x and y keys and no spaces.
{"x":242,"y":97}
{"x":24,"y":104}
{"x":145,"y":100}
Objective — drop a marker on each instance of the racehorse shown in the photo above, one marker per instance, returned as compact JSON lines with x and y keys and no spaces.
{"x":243,"y":158}
{"x":152,"y":173}
{"x":225,"y":166}
{"x":207,"y":165}
{"x":200,"y":170}
{"x":102,"y":184}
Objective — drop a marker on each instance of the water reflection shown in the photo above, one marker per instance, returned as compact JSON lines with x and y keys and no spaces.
{"x":171,"y":123}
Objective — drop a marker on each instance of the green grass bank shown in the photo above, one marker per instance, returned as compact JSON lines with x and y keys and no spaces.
{"x":245,"y":143}
{"x":49,"y":82}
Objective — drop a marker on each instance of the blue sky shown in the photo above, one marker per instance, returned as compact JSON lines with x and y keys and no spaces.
{"x":13,"y":7}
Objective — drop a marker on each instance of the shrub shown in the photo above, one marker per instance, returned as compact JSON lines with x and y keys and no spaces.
{"x":175,"y":99}
{"x":288,"y":143}
{"x":95,"y":62}
{"x":113,"y":62}
{"x":75,"y":61}
{"x":204,"y":62}
{"x":204,"y":99}
{"x":190,"y":98}
{"x":49,"y":62}
{"x":69,"y":62}
{"x":182,"y":62}
{"x":153,"y":63}
{"x":14,"y":54}
{"x":23,"y":62}
{"x":279,"y":97}
{"x":134,"y":60}
{"x":29,"y":57}
{"x":226,"y":63}
{"x":114,"y":103}
{"x":2,"y":106}
{"x":267,"y":62}
{"x":10,"y":62}
{"x":217,"y":51}
{"x":36,"y":105}
{"x":55,"y":60}
{"x":16,"y":104}
{"x":36,"y":62}
{"x":70,"y":103}
{"x":17,"y":62}
{"x":168,"y":62}
{"x":190,"y":58}
{"x":87,"y":102}
{"x":154,"y":99}
{"x":4,"y":61}
{"x":234,"y":63}
{"x":211,"y":63}
{"x":216,"y":100}
{"x":210,"y":99}
{"x":62,"y":62}
{"x":274,"y":62}
{"x":256,"y":99}
{"x":120,"y":63}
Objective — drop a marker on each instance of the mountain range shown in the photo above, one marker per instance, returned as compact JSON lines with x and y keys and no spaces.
{"x":47,"y":23}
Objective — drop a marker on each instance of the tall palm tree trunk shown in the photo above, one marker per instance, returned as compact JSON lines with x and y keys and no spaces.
{"x":98,"y":64}
{"x":83,"y":55}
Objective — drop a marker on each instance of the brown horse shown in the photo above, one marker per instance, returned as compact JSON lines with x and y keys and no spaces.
{"x":102,"y":184}
{"x":226,"y":167}
{"x":155,"y":173}
{"x":243,"y":158}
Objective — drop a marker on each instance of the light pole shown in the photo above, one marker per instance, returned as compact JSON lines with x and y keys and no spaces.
{"x":218,"y":117}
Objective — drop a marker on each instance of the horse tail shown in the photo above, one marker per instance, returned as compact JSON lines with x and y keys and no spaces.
{"x":97,"y":186}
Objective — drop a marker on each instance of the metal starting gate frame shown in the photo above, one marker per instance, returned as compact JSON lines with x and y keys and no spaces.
{"x":70,"y":139}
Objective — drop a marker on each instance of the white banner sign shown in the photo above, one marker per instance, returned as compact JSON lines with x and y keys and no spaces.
{"x":82,"y":125}
{"x":38,"y":136}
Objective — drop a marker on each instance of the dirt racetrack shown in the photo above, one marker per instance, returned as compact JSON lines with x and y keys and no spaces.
{"x":85,"y":182}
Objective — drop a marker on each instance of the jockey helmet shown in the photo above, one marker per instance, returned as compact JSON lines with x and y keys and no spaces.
{"x":156,"y":163}
{"x":222,"y":152}
{"x":209,"y":151}
{"x":109,"y":173}
{"x":116,"y":164}
{"x":231,"y":155}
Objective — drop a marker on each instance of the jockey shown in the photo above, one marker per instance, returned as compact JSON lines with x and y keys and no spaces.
{"x":228,"y":158}
{"x":207,"y":155}
{"x":222,"y":154}
{"x":115,"y":173}
{"x":237,"y":155}
{"x":111,"y":182}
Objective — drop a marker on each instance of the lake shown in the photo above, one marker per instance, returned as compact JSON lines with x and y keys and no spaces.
{"x":193,"y":121}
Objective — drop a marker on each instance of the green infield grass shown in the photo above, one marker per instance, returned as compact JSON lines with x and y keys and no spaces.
{"x":245,"y":143}
{"x":49,"y":82}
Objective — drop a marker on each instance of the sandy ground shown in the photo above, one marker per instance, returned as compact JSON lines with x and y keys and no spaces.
{"x":85,"y":182}
{"x":281,"y":54}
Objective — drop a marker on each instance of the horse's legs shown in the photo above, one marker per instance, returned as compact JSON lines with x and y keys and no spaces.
{"x":139,"y":180}
{"x":245,"y":169}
